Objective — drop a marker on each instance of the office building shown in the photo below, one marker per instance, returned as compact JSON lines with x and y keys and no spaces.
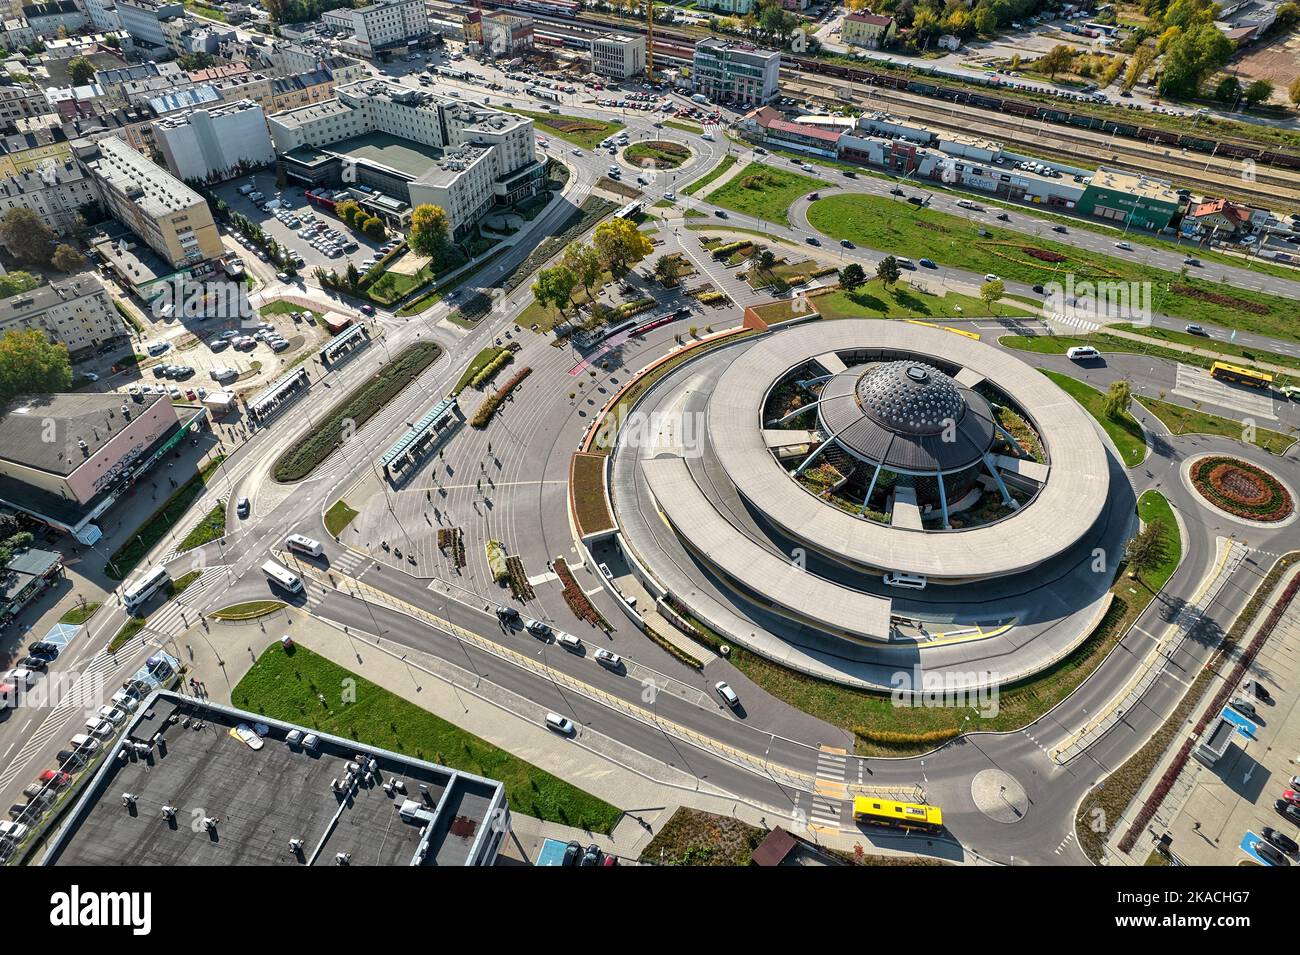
{"x":143,"y":20}
{"x":384,"y":26}
{"x":618,"y":55}
{"x":735,"y":73}
{"x":212,"y":145}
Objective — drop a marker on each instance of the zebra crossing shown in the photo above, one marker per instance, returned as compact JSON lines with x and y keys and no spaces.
{"x":1073,"y":321}
{"x":83,"y":697}
{"x":349,"y":562}
{"x":830,"y":792}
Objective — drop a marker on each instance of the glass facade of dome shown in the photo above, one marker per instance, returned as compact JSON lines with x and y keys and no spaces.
{"x":910,"y":397}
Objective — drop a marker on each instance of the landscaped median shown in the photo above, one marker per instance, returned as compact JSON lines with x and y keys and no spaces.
{"x":483,"y":368}
{"x":578,"y":130}
{"x":249,"y":610}
{"x":711,"y":176}
{"x":590,"y":503}
{"x":349,"y":415}
{"x":126,"y":557}
{"x":209,"y":529}
{"x":493,"y":401}
{"x":289,"y":684}
{"x":765,"y":192}
{"x":1123,"y":429}
{"x":1182,"y":420}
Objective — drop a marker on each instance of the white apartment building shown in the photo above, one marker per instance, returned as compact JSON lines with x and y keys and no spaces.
{"x":618,"y":56}
{"x":413,"y":146}
{"x":54,"y":190}
{"x":169,"y":216}
{"x":103,"y":14}
{"x":215,"y":144}
{"x":75,"y":312}
{"x":383,"y":25}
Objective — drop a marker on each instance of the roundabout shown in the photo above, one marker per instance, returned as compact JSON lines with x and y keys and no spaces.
{"x":872,"y":493}
{"x":657,"y":154}
{"x":1241,"y":490}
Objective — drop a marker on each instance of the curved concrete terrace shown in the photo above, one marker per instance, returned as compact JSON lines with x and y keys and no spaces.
{"x":813,"y":599}
{"x":1063,"y":511}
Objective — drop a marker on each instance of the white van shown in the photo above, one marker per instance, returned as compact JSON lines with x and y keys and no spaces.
{"x":1082,"y":353}
{"x":278,"y":575}
{"x":909,"y":581}
{"x":708,"y":136}
{"x":303,"y":544}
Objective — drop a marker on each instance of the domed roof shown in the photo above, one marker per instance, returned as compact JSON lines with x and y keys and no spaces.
{"x":906,"y":415}
{"x":910,"y":397}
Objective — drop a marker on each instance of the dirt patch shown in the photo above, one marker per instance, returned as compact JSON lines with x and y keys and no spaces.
{"x":1276,"y":61}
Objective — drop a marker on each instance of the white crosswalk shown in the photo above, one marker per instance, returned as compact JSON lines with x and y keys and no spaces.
{"x":830,"y":791}
{"x":1072,"y":321}
{"x":349,"y":562}
{"x":82,"y":698}
{"x":1196,"y":384}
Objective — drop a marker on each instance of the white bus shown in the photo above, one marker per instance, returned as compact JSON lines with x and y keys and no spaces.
{"x":278,"y":575}
{"x":304,"y":544}
{"x":145,"y":588}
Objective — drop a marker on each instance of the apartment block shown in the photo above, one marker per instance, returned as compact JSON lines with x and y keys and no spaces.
{"x":143,"y":20}
{"x":167,"y":215}
{"x":384,"y":25}
{"x":75,"y":312}
{"x":55,"y":191}
{"x":212,"y":145}
{"x":618,"y":55}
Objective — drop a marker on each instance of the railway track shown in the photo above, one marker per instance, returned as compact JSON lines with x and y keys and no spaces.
{"x":1269,"y":188}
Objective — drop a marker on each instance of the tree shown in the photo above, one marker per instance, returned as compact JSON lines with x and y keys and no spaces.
{"x":669,"y":269}
{"x":1055,"y":60}
{"x":67,"y":259}
{"x":80,"y":70}
{"x":852,"y":276}
{"x":430,"y":231}
{"x":1146,"y":550}
{"x":554,"y":287}
{"x":1138,"y":66}
{"x":1117,"y":399}
{"x":347,"y":211}
{"x":1258,"y":92}
{"x":1293,"y":91}
{"x":1191,"y":56}
{"x":766,"y":259}
{"x":14,"y":283}
{"x":26,"y":236}
{"x":991,"y":291}
{"x":374,"y":228}
{"x":1228,"y":90}
{"x":584,"y":262}
{"x":887,"y":271}
{"x":31,"y":365}
{"x":620,"y":245}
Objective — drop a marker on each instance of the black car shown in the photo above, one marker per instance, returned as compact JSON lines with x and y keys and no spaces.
{"x":846,"y":243}
{"x":1250,"y":686}
{"x":1279,"y":839}
{"x":895,"y":191}
{"x":70,"y":760}
{"x":1039,"y":289}
{"x":507,"y":613}
{"x":1003,"y":217}
{"x":42,"y":649}
{"x":1270,"y":854}
{"x":1290,"y":812}
{"x":592,"y":856}
{"x":1059,"y":228}
{"x":33,"y":662}
{"x":721,"y":214}
{"x":572,"y":854}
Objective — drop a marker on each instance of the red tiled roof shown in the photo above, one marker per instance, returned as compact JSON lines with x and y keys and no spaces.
{"x":825,"y":135}
{"x":874,"y":19}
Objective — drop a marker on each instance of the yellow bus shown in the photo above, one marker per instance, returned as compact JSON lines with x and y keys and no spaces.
{"x":1240,"y":376}
{"x":897,"y":815}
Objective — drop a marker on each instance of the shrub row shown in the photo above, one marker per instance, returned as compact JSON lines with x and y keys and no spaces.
{"x":578,"y":602}
{"x":490,"y":404}
{"x":489,"y":371}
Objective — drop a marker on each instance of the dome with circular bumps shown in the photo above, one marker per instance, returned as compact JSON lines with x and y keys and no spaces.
{"x":911,"y":397}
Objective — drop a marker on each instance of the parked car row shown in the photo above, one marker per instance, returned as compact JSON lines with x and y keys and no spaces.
{"x":577,"y":857}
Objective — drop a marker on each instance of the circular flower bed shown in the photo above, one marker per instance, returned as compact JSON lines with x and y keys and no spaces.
{"x":1241,"y":489}
{"x":657,"y":154}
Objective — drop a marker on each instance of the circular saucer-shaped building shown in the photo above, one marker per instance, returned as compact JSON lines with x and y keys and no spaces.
{"x":901,"y":486}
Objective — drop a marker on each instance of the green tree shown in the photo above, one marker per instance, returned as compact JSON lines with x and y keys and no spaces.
{"x":991,"y":291}
{"x":14,"y":283}
{"x":1141,"y":61}
{"x":1258,"y":92}
{"x":430,"y":231}
{"x":347,"y":211}
{"x":26,"y":236}
{"x":373,"y":227}
{"x":1293,"y":91}
{"x":67,"y":259}
{"x":1056,"y":60}
{"x":554,"y":287}
{"x":584,"y":262}
{"x":1190,"y":57}
{"x":669,"y":269}
{"x":1146,"y":550}
{"x":620,"y":245}
{"x":80,"y":70}
{"x":766,"y":259}
{"x":1117,"y":399}
{"x":852,"y":277}
{"x":1228,"y":90}
{"x":31,"y":365}
{"x":888,"y":272}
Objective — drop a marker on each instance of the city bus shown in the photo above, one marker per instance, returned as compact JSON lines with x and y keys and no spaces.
{"x":278,"y":575}
{"x":1240,"y":376}
{"x":145,"y":588}
{"x":897,"y":815}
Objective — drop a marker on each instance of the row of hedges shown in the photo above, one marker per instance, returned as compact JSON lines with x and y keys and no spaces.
{"x":490,"y":404}
{"x":349,"y":415}
{"x":489,"y":371}
{"x":577,"y":600}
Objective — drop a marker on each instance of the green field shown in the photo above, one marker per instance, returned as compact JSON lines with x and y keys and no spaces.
{"x":1152,"y":505}
{"x":1124,"y":431}
{"x":284,"y":684}
{"x":873,"y":300}
{"x":209,"y":529}
{"x":338,"y":517}
{"x":579,"y":130}
{"x":892,"y":226}
{"x":709,"y":177}
{"x":1182,"y":420}
{"x":764,"y":192}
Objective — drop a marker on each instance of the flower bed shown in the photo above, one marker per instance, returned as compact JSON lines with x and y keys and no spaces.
{"x":1043,"y":254}
{"x":577,"y":600}
{"x":452,"y":543}
{"x":1241,"y":489}
{"x":519,"y":585}
{"x":489,"y":406}
{"x":1219,"y":298}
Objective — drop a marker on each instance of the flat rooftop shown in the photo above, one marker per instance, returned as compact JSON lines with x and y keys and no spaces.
{"x":263,"y":798}
{"x":1136,"y":184}
{"x":403,"y":155}
{"x":93,"y":418}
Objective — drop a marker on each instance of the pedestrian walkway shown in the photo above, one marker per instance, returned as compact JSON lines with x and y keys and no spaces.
{"x":830,"y":792}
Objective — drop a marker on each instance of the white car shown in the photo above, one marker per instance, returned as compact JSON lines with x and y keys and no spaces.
{"x":112,"y":714}
{"x":608,"y":658}
{"x":1124,"y":245}
{"x":561,"y":724}
{"x":570,"y":642}
{"x":990,"y":277}
{"x":727,"y":693}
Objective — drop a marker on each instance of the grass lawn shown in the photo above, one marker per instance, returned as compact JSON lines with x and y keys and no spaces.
{"x":697,"y":838}
{"x":126,"y":557}
{"x":1182,"y":420}
{"x":435,"y":294}
{"x":764,"y":192}
{"x":129,"y":630}
{"x":684,"y":127}
{"x":579,"y":130}
{"x":338,"y":517}
{"x":79,"y":615}
{"x":284,"y":685}
{"x":708,"y":178}
{"x":249,"y":610}
{"x":658,"y":154}
{"x":180,"y":583}
{"x":209,"y":529}
{"x":1124,"y":431}
{"x":353,"y":411}
{"x":889,"y":225}
{"x":587,"y":485}
{"x":1152,"y":506}
{"x":474,"y":367}
{"x":281,"y":307}
{"x":1241,"y":353}
{"x":873,"y":300}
